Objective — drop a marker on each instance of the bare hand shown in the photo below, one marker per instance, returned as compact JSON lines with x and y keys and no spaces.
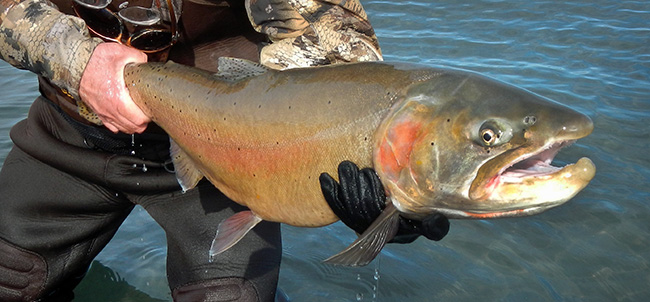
{"x":102,"y":88}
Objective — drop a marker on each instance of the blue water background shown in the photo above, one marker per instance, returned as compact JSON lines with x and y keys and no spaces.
{"x":593,"y":56}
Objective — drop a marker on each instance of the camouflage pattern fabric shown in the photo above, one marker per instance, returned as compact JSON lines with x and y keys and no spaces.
{"x":35,"y":36}
{"x":310,"y":33}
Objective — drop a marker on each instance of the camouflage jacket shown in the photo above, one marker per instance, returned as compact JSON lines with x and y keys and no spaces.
{"x":36,"y":36}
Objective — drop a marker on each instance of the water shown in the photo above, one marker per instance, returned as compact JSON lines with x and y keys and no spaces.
{"x":593,"y":56}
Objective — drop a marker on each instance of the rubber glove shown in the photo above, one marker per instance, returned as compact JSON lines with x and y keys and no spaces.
{"x":360,"y":198}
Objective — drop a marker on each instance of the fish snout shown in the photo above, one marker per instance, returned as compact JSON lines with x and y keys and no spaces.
{"x":573,"y":125}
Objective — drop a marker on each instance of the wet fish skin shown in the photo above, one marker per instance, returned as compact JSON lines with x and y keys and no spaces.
{"x":265,"y":140}
{"x":441,"y":140}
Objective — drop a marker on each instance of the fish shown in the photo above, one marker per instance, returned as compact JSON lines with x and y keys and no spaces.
{"x":441,"y":140}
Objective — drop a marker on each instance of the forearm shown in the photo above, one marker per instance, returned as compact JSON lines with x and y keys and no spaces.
{"x":35,"y":36}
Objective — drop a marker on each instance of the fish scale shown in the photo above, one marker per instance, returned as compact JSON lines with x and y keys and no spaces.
{"x":439,"y":139}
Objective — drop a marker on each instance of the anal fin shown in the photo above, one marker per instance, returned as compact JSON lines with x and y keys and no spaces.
{"x":363,"y":250}
{"x":231,"y":230}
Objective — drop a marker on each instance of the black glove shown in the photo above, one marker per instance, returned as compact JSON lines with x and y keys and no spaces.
{"x":360,"y":198}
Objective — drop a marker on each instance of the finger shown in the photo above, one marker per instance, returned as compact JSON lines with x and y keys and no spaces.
{"x":111,"y":127}
{"x":349,"y":180}
{"x":330,"y":190}
{"x":435,"y":227}
{"x":372,"y":203}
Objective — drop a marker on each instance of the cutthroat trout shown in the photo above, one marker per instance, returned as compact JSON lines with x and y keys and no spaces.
{"x":441,"y":140}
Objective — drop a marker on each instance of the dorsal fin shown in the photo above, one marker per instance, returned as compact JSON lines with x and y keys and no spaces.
{"x":235,"y":69}
{"x":186,"y":172}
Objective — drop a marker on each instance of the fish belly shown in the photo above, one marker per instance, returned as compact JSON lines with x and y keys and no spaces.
{"x":264,"y":141}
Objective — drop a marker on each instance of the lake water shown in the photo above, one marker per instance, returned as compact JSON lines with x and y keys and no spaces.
{"x":591,"y":55}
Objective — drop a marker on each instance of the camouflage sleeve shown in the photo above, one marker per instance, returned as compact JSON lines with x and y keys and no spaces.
{"x":35,"y":36}
{"x":313,"y":32}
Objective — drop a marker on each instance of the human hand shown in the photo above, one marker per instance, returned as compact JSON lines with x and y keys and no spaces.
{"x":102,"y":88}
{"x":360,"y":198}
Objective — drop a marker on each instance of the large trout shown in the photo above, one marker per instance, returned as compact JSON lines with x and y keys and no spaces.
{"x":441,"y":140}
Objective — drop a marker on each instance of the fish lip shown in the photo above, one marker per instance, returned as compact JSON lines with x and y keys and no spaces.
{"x":481,"y":190}
{"x":530,"y":169}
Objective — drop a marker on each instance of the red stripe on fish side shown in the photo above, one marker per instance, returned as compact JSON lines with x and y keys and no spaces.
{"x":495,"y":214}
{"x":395,"y":148}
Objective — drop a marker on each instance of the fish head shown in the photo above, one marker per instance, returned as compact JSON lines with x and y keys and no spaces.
{"x":468,"y":146}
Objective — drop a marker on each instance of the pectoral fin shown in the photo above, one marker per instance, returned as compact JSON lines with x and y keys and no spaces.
{"x":187,"y":174}
{"x":231,"y":230}
{"x":363,"y":250}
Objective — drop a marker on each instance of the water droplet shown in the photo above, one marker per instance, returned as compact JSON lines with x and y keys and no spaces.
{"x":358,"y":276}
{"x":135,"y":166}
{"x":137,"y":183}
{"x":144,"y":168}
{"x":359,"y":296}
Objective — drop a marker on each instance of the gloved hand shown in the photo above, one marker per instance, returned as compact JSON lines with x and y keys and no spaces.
{"x":360,"y":198}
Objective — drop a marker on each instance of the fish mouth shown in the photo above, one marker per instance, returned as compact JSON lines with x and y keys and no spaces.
{"x":533,"y":165}
{"x":527,"y":183}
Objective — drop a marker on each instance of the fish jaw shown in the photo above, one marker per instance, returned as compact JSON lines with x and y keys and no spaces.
{"x":523,"y":182}
{"x":531,"y":185}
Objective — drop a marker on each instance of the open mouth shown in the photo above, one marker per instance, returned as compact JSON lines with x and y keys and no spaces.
{"x":533,"y":165}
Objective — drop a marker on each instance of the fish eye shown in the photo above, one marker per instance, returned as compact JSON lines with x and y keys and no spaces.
{"x":494,"y":132}
{"x":488,"y":136}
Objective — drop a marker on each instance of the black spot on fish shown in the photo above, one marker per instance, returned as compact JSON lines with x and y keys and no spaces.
{"x":259,"y":106}
{"x":432,"y":143}
{"x":289,"y":107}
{"x":238,"y":149}
{"x":224,"y":120}
{"x":448,"y":120}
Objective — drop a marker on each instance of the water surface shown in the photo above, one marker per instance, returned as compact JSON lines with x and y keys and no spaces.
{"x":593,"y":56}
